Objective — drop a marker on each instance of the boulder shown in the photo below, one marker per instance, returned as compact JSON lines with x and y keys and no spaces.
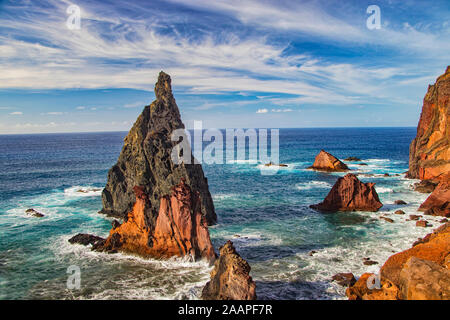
{"x":344,"y":279}
{"x":146,"y":161}
{"x":425,"y":186}
{"x":422,"y":223}
{"x":399,"y":202}
{"x":34,"y":213}
{"x":85,"y":239}
{"x":350,"y":194}
{"x":387,"y":219}
{"x":352,"y":159}
{"x":230,"y":278}
{"x":327,"y":162}
{"x":424,"y":280}
{"x":399,"y":212}
{"x":438,"y":203}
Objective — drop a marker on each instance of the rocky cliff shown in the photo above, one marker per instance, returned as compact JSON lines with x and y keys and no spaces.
{"x":429,"y":156}
{"x":230,"y":279}
{"x":350,"y":194}
{"x":146,"y":161}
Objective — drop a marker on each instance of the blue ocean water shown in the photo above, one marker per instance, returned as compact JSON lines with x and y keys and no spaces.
{"x":266,"y":216}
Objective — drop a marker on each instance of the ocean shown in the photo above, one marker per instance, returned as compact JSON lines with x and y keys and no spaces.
{"x":266,"y":216}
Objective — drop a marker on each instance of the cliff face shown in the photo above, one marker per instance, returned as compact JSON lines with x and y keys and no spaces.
{"x":230,"y":279}
{"x":180,"y":228}
{"x":146,"y":161}
{"x":350,"y":194}
{"x":429,"y":156}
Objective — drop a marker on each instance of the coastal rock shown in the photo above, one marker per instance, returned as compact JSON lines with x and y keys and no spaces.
{"x":425,"y":186}
{"x":350,"y":194}
{"x":145,"y":160}
{"x":399,"y":202}
{"x":438,"y":203}
{"x":434,"y":247}
{"x":352,"y":159}
{"x":422,"y":223}
{"x":367,"y":288}
{"x":327,"y":162}
{"x":34,"y":213}
{"x":230,"y":279}
{"x":424,"y":280}
{"x":180,"y":229}
{"x":429,"y":156}
{"x":387,"y":219}
{"x":399,"y":212}
{"x":85,"y":239}
{"x":344,"y":279}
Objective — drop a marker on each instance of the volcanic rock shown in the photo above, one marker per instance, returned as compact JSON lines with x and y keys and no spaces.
{"x":350,"y":194}
{"x":180,"y":229}
{"x":422,"y":223}
{"x":146,"y":161}
{"x":399,"y":212}
{"x":344,"y":279}
{"x":399,"y":202}
{"x":230,"y":279}
{"x":387,"y":219}
{"x":85,"y":239}
{"x":327,"y":162}
{"x":425,"y":186}
{"x":352,"y":159}
{"x":34,"y":213}
{"x":438,"y":203}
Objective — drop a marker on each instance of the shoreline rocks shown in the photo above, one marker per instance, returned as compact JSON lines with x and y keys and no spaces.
{"x":146,"y":160}
{"x":438,"y":202}
{"x":350,"y":194}
{"x":325,"y":161}
{"x":230,"y":278}
{"x":34,"y":213}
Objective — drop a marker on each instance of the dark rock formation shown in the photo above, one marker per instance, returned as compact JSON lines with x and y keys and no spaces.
{"x":34,"y":213}
{"x":180,"y":229}
{"x":429,"y":155}
{"x":146,"y":161}
{"x":352,"y":159}
{"x":350,"y":194}
{"x":422,"y":223}
{"x":230,"y":279}
{"x":85,"y":239}
{"x":327,"y":162}
{"x":399,"y":212}
{"x":399,"y":202}
{"x":425,"y":186}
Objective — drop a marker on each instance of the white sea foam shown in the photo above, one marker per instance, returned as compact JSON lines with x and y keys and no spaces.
{"x":80,"y":191}
{"x":312,"y":184}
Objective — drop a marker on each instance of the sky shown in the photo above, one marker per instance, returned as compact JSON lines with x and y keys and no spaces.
{"x":233,"y":63}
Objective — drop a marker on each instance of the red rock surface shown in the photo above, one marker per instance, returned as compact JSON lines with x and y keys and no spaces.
{"x":438,"y":203}
{"x":327,"y":162}
{"x":429,"y":157}
{"x":230,"y":278}
{"x":180,"y":228}
{"x":350,"y":194}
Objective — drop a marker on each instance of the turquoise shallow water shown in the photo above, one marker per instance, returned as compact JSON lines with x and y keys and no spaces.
{"x":266,"y":216}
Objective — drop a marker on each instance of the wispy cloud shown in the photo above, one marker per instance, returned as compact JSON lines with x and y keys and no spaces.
{"x":16,"y":113}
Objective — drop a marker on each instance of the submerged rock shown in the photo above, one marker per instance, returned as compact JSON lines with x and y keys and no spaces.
{"x":230,"y":278}
{"x":350,"y":194}
{"x":352,"y":159}
{"x":344,"y":279}
{"x":145,"y":160}
{"x":327,"y":162}
{"x":399,"y":202}
{"x":429,"y":156}
{"x":34,"y":213}
{"x":180,"y":229}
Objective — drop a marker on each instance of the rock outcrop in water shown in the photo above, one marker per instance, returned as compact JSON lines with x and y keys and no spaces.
{"x":146,"y":161}
{"x":429,"y":155}
{"x":350,"y":194}
{"x":180,"y":228}
{"x":438,"y":203}
{"x":327,"y":162}
{"x":421,"y":272}
{"x":230,"y":279}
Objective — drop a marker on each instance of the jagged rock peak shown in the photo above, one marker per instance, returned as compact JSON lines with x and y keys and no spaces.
{"x":163,"y":88}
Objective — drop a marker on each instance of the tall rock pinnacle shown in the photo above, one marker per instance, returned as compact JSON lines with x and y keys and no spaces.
{"x":145,"y":161}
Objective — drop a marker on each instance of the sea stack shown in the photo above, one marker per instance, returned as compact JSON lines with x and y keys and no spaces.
{"x":350,"y":194}
{"x":327,"y":162}
{"x":230,"y":278}
{"x":146,"y":161}
{"x":429,"y":154}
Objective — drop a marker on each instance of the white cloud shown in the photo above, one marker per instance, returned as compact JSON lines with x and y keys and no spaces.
{"x":16,"y":113}
{"x":282,"y":110}
{"x":262,"y":111}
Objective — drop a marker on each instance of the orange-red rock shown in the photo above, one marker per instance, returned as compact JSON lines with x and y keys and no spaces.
{"x":179,"y":229}
{"x":438,"y":203}
{"x":327,"y":162}
{"x":350,"y":194}
{"x":429,"y":157}
{"x":366,"y":289}
{"x":230,"y":278}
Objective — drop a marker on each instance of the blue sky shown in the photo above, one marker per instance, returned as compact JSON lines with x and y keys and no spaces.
{"x":234,"y":63}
